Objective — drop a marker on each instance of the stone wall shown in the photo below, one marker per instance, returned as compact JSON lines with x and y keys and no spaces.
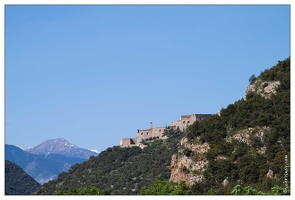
{"x":186,"y":120}
{"x":154,"y":133}
{"x":150,"y":134}
{"x":127,"y":142}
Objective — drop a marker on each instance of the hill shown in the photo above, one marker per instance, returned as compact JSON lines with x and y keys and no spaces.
{"x":124,"y":170}
{"x":247,"y":144}
{"x":41,"y":167}
{"x":18,"y":182}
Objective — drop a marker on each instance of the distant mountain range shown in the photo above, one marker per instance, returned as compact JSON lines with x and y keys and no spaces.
{"x":45,"y":161}
{"x":62,"y":147}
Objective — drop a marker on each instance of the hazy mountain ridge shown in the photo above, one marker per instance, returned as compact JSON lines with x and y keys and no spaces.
{"x":41,"y":167}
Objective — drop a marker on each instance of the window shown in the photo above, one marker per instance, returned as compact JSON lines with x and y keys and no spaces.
{"x":188,"y":122}
{"x":184,"y":122}
{"x":147,"y":133}
{"x":141,"y":133}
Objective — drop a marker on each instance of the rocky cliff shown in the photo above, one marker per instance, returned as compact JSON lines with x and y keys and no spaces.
{"x":189,"y":163}
{"x":247,"y":143}
{"x":263,"y":88}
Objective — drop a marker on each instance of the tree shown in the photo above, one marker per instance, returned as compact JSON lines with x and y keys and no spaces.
{"x":89,"y":190}
{"x":276,"y":190}
{"x":163,"y":187}
{"x":237,"y":190}
{"x":252,"y":78}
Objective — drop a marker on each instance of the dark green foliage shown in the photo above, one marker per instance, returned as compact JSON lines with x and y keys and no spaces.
{"x":18,"y":182}
{"x":164,"y":187}
{"x":89,"y":190}
{"x":124,"y":170}
{"x":131,"y":170}
{"x":248,"y":190}
{"x":252,"y":78}
{"x":243,"y":163}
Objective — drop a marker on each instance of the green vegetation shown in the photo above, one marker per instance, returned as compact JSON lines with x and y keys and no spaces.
{"x":124,"y":170}
{"x":243,"y":162}
{"x":247,"y":190}
{"x":132,"y":170}
{"x":89,"y":190}
{"x":164,"y":187}
{"x":18,"y":182}
{"x":252,"y":79}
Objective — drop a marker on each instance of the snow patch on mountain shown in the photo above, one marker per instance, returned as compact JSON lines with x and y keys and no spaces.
{"x":94,"y":150}
{"x":62,"y":147}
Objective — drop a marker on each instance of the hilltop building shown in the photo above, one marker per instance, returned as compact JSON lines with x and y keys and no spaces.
{"x":154,"y":133}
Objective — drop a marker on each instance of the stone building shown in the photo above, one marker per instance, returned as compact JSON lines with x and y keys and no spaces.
{"x":186,"y":120}
{"x":154,"y":133}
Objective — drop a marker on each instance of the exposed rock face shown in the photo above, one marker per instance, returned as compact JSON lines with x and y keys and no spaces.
{"x":220,"y":157}
{"x":189,"y":162}
{"x":269,"y":173}
{"x":261,"y":150}
{"x":199,"y":148}
{"x":183,"y":168}
{"x":243,"y":136}
{"x":265,"y":89}
{"x":225,"y":182}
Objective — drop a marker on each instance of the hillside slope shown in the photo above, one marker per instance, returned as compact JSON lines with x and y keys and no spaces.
{"x":41,"y":167}
{"x":124,"y":170}
{"x":248,"y":144}
{"x":18,"y":182}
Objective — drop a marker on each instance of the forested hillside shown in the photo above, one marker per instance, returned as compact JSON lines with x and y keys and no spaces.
{"x":250,"y":141}
{"x":124,"y":170}
{"x":18,"y":182}
{"x":247,"y":145}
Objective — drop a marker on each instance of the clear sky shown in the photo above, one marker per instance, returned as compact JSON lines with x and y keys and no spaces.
{"x":95,"y":74}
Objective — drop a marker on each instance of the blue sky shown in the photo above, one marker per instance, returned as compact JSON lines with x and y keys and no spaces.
{"x":95,"y":74}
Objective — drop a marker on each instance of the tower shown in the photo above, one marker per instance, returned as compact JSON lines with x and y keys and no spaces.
{"x":151,"y":125}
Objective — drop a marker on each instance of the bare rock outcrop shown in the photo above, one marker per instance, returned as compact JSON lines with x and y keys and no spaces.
{"x":183,"y":168}
{"x":243,"y":136}
{"x":269,"y":174}
{"x":190,"y":161}
{"x":263,"y":88}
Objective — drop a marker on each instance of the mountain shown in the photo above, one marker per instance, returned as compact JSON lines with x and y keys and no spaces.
{"x":246,"y":145}
{"x":62,"y":147}
{"x":124,"y":170}
{"x":18,"y":182}
{"x":41,"y":167}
